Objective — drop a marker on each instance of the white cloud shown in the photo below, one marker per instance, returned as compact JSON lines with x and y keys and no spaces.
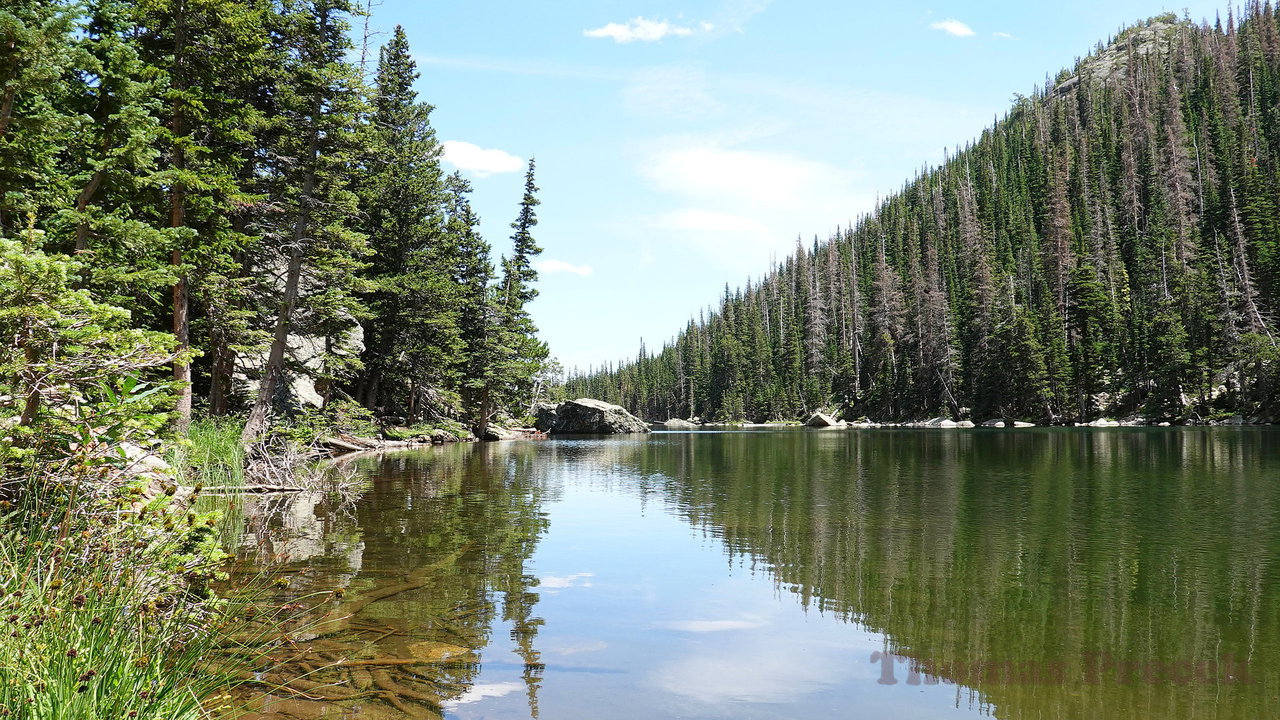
{"x":761,"y":179}
{"x":756,"y":669}
{"x":740,"y":207}
{"x":482,"y":162}
{"x":560,"y":266}
{"x":951,"y":26}
{"x":643,"y":30}
{"x":1004,"y":35}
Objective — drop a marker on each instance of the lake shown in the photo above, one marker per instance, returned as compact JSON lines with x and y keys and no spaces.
{"x":791,"y":573}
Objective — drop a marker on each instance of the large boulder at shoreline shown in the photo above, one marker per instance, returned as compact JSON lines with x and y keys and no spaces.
{"x":494,"y":433}
{"x":586,"y":416}
{"x":544,"y":416}
{"x":821,"y":420}
{"x":678,"y":424}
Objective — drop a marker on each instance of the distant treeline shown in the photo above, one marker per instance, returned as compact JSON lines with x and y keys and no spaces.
{"x":1112,"y":245}
{"x":242,"y":174}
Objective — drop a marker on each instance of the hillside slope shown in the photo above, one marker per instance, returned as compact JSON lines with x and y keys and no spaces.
{"x":1112,"y":245}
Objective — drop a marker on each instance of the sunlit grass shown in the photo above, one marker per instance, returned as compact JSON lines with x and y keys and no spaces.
{"x":98,"y":621}
{"x":214,"y":456}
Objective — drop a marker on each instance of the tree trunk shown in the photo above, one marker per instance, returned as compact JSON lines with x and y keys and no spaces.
{"x":257,"y":421}
{"x":6,"y":109}
{"x":82,"y":202}
{"x":178,"y":219}
{"x":220,"y":379}
{"x":31,"y":405}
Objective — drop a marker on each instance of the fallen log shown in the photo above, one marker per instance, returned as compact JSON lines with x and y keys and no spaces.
{"x":235,"y":489}
{"x":343,"y":445}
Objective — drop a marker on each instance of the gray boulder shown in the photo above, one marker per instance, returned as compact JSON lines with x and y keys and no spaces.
{"x":544,"y":416}
{"x":821,"y":419}
{"x":585,"y":416}
{"x":493,"y":433}
{"x":678,"y":424}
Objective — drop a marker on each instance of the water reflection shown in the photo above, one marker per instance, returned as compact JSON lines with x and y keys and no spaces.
{"x":424,"y":565}
{"x":1021,"y":574}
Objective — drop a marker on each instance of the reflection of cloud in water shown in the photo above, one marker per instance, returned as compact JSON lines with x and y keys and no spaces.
{"x":703,"y":626}
{"x":564,"y":648}
{"x":559,"y":582}
{"x":476,"y":693}
{"x":763,"y":670}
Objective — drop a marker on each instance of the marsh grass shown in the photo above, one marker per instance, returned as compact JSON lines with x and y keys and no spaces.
{"x":104,"y":613}
{"x":213,"y":455}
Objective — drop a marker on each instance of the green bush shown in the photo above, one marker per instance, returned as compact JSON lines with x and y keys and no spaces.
{"x":338,"y":417}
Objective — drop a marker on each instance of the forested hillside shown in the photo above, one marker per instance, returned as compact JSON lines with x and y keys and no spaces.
{"x":1112,"y":245}
{"x":245,"y":177}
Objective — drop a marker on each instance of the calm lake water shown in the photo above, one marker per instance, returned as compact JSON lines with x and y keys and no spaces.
{"x":1046,"y":573}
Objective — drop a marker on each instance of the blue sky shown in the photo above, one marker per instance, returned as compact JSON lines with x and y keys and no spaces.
{"x":683,"y":145}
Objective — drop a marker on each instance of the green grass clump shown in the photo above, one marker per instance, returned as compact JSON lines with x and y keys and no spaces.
{"x":100,"y":618}
{"x":214,"y":456}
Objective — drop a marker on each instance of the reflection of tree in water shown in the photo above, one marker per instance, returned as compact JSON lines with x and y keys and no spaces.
{"x":1059,"y":574}
{"x":444,"y":537}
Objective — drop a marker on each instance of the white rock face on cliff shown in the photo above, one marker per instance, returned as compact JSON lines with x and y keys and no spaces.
{"x":306,"y":352}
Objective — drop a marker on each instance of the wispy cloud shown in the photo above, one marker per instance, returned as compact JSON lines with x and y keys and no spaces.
{"x":1004,"y":35}
{"x":734,"y":14}
{"x":644,"y":30}
{"x":520,"y":66}
{"x":482,"y":162}
{"x":671,"y":92}
{"x":696,"y":219}
{"x":951,"y":26}
{"x":559,"y":266}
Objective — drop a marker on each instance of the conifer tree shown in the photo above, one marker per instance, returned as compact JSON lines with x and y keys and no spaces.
{"x":312,"y":241}
{"x":411,"y":335}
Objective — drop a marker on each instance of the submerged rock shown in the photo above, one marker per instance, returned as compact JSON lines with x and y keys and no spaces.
{"x":437,"y":652}
{"x":586,"y":416}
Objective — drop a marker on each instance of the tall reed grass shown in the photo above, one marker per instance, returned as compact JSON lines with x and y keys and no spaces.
{"x":213,"y":456}
{"x":103,"y":614}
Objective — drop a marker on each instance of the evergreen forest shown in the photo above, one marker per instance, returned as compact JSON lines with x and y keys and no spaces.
{"x":231,"y":197}
{"x":1111,"y":246}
